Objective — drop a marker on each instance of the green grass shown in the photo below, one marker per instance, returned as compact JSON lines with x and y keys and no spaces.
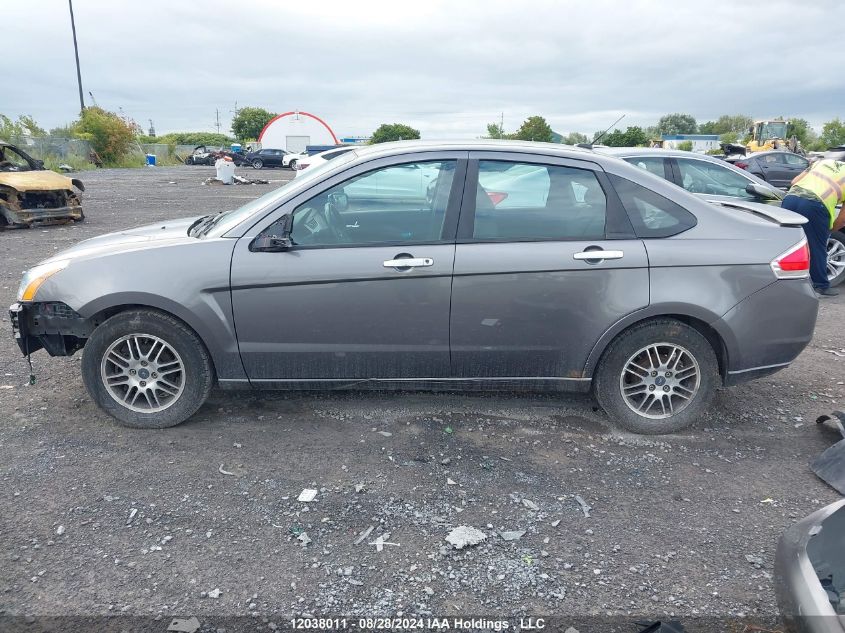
{"x":77,"y":163}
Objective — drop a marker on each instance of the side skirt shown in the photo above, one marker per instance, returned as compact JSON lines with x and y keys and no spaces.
{"x":417,"y":384}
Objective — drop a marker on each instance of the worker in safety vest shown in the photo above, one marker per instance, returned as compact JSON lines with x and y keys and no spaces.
{"x":815,"y":194}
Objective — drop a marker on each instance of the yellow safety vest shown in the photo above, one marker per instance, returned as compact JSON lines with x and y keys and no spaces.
{"x":826,"y":180}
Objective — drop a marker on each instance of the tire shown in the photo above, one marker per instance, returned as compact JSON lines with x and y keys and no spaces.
{"x":185,"y":390}
{"x":292,"y":164}
{"x":697,"y":361}
{"x":836,"y":258}
{"x":189,"y":161}
{"x":257,"y":163}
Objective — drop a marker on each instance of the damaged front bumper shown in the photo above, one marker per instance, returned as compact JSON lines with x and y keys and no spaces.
{"x":28,"y":217}
{"x":52,"y":326}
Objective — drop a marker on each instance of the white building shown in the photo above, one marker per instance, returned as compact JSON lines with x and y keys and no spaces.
{"x":293,"y":131}
{"x":701,"y":143}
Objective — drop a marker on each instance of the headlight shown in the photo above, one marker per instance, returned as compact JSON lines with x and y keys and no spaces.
{"x":34,"y":277}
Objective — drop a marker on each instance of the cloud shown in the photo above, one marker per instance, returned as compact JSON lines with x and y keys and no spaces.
{"x":447,"y":68}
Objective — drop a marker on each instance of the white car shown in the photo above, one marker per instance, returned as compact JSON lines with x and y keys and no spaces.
{"x":304,"y":162}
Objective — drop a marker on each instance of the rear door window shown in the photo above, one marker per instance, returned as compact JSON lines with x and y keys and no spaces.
{"x":653,"y":164}
{"x":528,"y":201}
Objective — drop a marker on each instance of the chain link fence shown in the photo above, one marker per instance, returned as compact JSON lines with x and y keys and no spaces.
{"x":53,"y":147}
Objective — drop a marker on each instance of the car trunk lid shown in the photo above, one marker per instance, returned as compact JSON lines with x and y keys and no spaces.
{"x":772,"y":213}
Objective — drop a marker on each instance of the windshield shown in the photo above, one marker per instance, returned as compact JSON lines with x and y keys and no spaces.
{"x":11,"y":160}
{"x":773,"y":130}
{"x":229,"y":219}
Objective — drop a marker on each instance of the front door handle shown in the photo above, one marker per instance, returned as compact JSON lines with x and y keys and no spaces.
{"x":409,"y":262}
{"x":598,"y":255}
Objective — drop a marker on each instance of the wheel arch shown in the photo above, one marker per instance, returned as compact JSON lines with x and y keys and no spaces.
{"x":100,"y":313}
{"x":699,"y":322}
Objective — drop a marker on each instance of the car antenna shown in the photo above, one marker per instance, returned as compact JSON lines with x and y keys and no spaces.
{"x":600,"y":136}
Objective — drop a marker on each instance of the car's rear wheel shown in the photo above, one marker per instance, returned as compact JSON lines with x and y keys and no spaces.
{"x":147,"y":369}
{"x":657,"y":377}
{"x":257,"y":163}
{"x":292,"y":164}
{"x":836,"y":258}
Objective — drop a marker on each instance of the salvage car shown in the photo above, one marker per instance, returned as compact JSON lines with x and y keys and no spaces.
{"x":810,"y":572}
{"x":31,"y":195}
{"x":715,"y":179}
{"x":607,"y":278}
{"x":202,"y":155}
{"x":272,"y":158}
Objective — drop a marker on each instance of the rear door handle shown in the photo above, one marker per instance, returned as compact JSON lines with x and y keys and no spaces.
{"x":409,"y":262}
{"x":598,"y":255}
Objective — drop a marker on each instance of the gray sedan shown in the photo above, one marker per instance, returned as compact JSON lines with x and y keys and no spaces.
{"x":473,"y":265}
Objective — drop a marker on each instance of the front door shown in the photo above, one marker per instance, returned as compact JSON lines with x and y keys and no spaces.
{"x":546,"y":262}
{"x":364,"y":291}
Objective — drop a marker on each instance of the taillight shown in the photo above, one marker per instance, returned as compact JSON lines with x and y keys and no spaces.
{"x":741,"y":165}
{"x":794,"y":263}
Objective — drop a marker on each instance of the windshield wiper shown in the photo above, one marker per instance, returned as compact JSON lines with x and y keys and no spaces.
{"x":196,"y":222}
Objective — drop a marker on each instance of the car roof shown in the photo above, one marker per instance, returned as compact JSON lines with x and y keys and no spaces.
{"x":530,"y":147}
{"x":656,"y":152}
{"x":772,"y":151}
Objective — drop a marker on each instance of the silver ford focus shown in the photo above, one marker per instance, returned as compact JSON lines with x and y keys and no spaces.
{"x":423,"y":265}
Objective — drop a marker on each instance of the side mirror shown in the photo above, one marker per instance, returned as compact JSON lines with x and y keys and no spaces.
{"x":270,"y":244}
{"x":339,"y":201}
{"x":39,"y":164}
{"x":760,"y":191}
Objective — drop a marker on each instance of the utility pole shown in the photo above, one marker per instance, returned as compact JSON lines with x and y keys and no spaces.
{"x":76,"y":53}
{"x":502,"y":126}
{"x":217,"y":119}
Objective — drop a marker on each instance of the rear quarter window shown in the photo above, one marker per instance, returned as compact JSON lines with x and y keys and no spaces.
{"x":651,"y":214}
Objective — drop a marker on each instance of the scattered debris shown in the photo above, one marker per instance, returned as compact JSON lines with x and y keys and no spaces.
{"x":363,"y":535}
{"x":65,"y":167}
{"x":830,"y":465}
{"x":768,"y":500}
{"x":513,"y":535}
{"x":359,"y":487}
{"x":530,"y":505}
{"x":224,"y":472}
{"x":215,"y":593}
{"x":385,"y":433}
{"x":445,"y":461}
{"x":381,"y":541}
{"x":307,"y":496}
{"x":556,"y":522}
{"x":184,"y":625}
{"x":585,"y":507}
{"x":448,"y":430}
{"x":304,"y":538}
{"x":451,"y":482}
{"x":465,"y":536}
{"x":60,"y":530}
{"x":240,"y":180}
{"x":840,"y":353}
{"x":754,"y":560}
{"x":132,"y":514}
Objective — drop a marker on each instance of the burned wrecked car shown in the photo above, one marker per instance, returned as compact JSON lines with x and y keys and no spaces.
{"x":30,"y":194}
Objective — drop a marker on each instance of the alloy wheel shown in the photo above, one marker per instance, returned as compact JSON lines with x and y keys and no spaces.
{"x":143,"y":373}
{"x":660,"y":380}
{"x":835,"y":258}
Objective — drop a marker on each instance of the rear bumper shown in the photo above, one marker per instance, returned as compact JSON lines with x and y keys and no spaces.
{"x":767,"y":330}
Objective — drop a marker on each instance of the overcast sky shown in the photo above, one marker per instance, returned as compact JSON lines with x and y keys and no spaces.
{"x":446,"y":68}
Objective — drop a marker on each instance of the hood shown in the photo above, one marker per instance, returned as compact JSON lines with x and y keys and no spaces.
{"x":40,"y":180}
{"x":144,"y":237}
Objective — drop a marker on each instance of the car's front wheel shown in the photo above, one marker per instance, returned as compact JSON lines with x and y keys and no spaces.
{"x":257,"y":163}
{"x":836,"y":258}
{"x":189,"y":161}
{"x":657,"y":377}
{"x":147,"y":369}
{"x":292,"y":164}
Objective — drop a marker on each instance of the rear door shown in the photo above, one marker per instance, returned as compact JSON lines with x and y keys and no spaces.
{"x":775,"y":169}
{"x":795,"y":164}
{"x":545,"y":263}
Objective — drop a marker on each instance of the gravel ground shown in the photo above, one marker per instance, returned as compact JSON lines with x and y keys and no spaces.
{"x":203,"y":519}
